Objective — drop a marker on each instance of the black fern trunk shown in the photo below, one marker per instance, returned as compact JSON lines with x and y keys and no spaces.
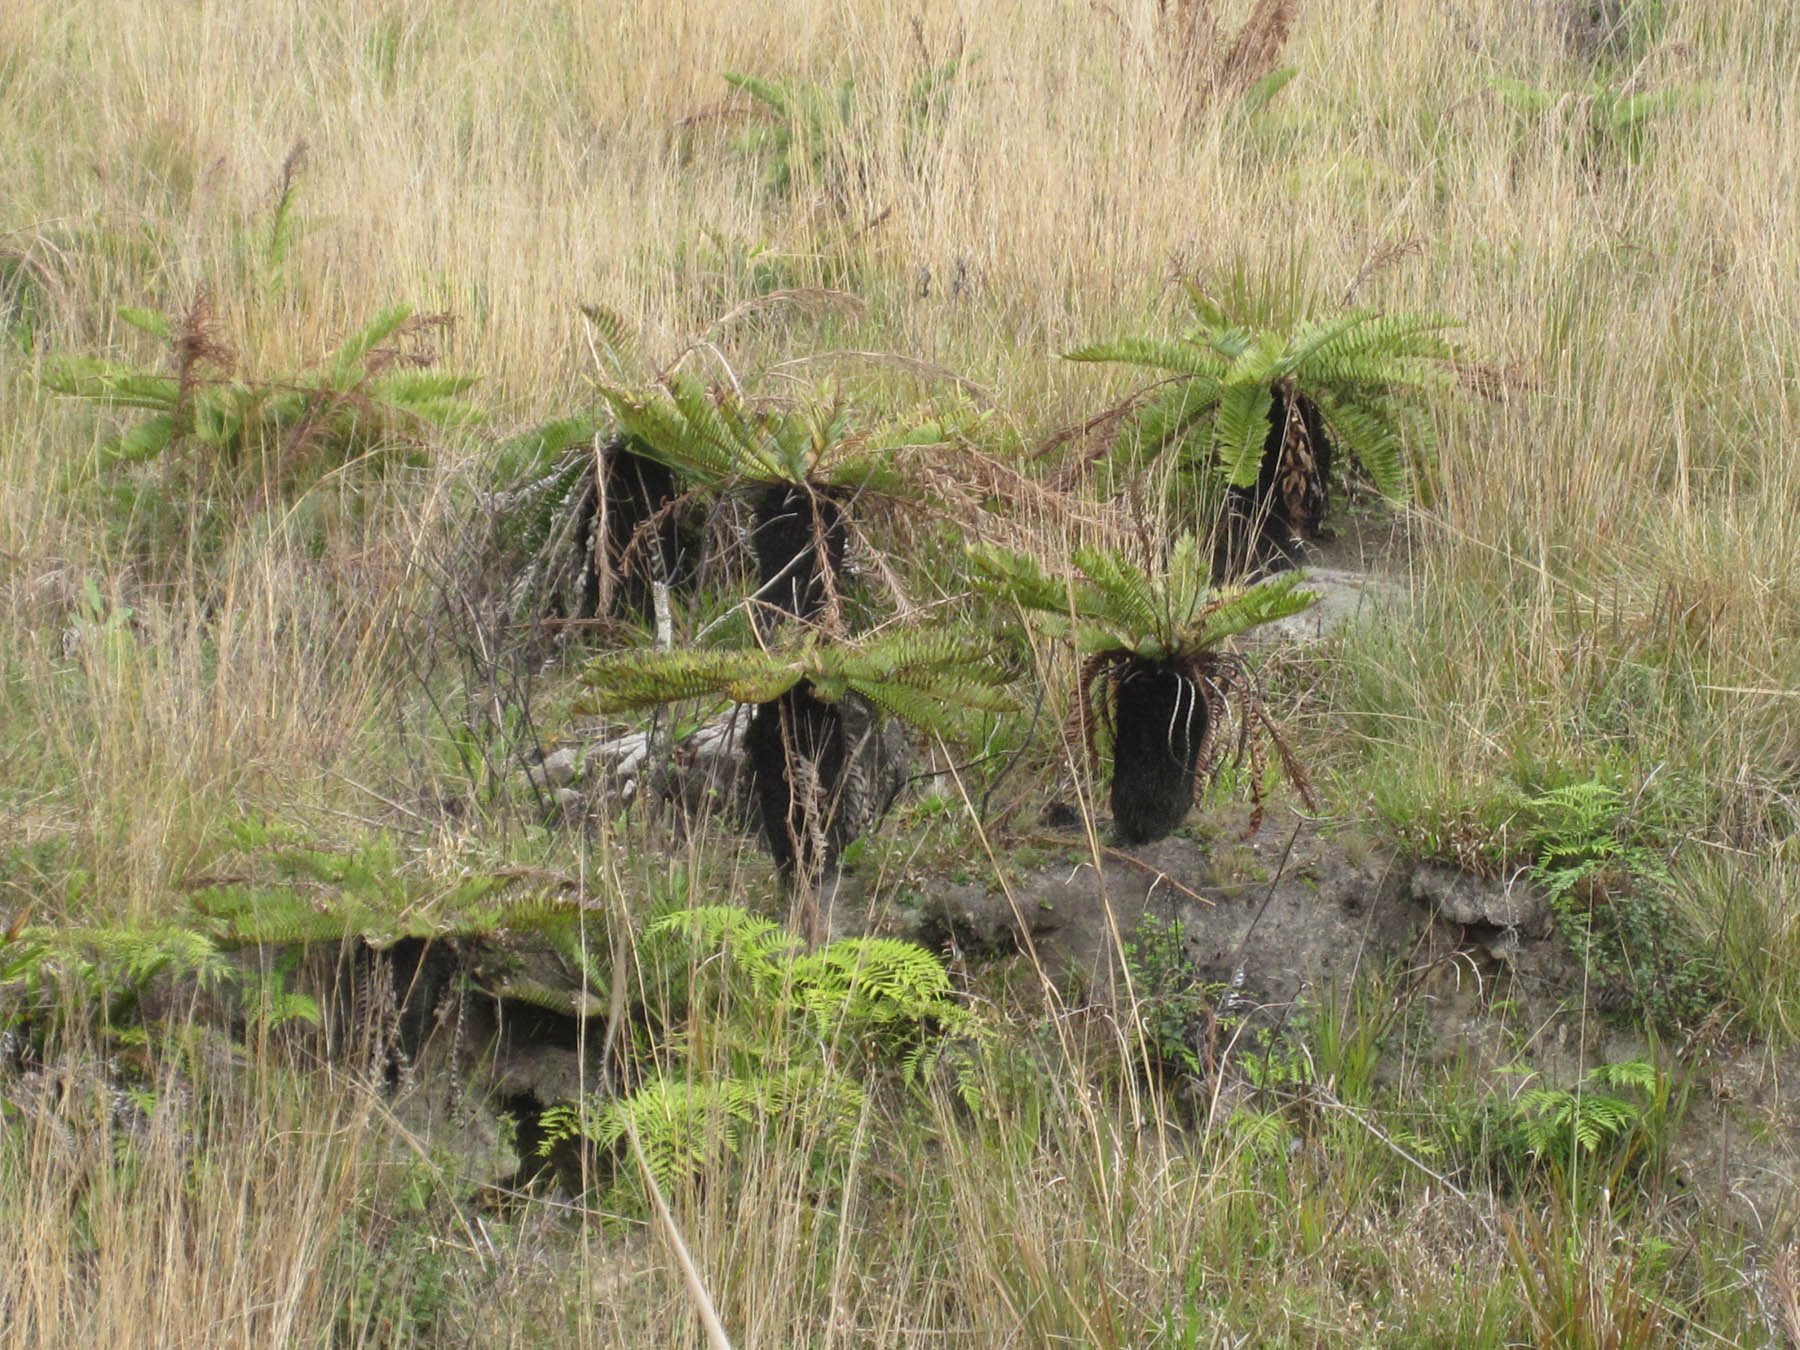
{"x":788,"y":524}
{"x":795,"y":737}
{"x":1159,"y":722}
{"x":1267,"y":525}
{"x":638,"y":491}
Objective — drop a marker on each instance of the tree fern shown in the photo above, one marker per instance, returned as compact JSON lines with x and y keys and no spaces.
{"x":1356,"y":362}
{"x":211,"y":446}
{"x":373,"y":890}
{"x":720,"y":439}
{"x":1262,"y":414}
{"x":813,"y":130}
{"x":1156,"y":680}
{"x":45,"y":969}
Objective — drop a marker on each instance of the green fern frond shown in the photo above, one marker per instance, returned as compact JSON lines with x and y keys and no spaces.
{"x":1370,"y":431}
{"x":750,"y":938}
{"x":1125,"y":597}
{"x":710,"y":436}
{"x":561,"y":999}
{"x":687,"y":1128}
{"x":770,"y":93}
{"x":1176,"y":419}
{"x":1640,"y":1074}
{"x":110,"y":383}
{"x":1366,"y":371}
{"x":1239,"y":609}
{"x":634,"y":678}
{"x":279,"y":915}
{"x":1018,"y":577}
{"x":873,"y":987}
{"x":89,"y":967}
{"x":917,"y":674}
{"x":1118,"y":605}
{"x":719,"y":440}
{"x":1240,"y":426}
{"x":615,"y":335}
{"x":1178,"y":356}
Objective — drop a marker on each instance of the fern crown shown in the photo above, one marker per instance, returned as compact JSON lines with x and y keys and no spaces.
{"x":1365,"y":371}
{"x":1115,"y":605}
{"x":718,"y":439}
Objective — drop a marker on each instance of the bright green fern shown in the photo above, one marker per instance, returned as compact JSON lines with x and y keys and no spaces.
{"x":922,"y":677}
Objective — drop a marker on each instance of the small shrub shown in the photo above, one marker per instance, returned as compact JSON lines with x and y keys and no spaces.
{"x":1614,"y":1110}
{"x":1173,"y":1006}
{"x":811,"y":137}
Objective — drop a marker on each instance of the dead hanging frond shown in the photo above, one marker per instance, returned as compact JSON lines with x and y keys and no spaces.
{"x":1156,"y":680}
{"x":1093,"y":439}
{"x":1256,"y":46}
{"x":1231,"y":689}
{"x":960,"y":484}
{"x":812,"y":301}
{"x":928,"y":372}
{"x":1091,"y":717}
{"x":1231,"y":693}
{"x":1204,"y":67}
{"x":412,"y":343}
{"x":196,"y":349}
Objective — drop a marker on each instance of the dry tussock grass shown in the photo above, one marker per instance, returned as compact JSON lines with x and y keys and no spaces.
{"x":1625,"y":499}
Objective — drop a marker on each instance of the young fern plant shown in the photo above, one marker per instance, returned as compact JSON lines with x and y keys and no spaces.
{"x":809,"y":134}
{"x":1155,"y":681}
{"x":227,"y":445}
{"x":802,"y":470}
{"x":792,"y":1036}
{"x":1267,"y":412}
{"x":817,"y":704}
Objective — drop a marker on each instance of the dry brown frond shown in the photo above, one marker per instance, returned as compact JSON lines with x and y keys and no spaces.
{"x":1202,"y":68}
{"x":965,"y":484}
{"x":1257,"y":46}
{"x":912,"y":365}
{"x":409,"y":345}
{"x":197,"y":345}
{"x":807,"y":299}
{"x":1784,"y":1277}
{"x":1380,"y":260}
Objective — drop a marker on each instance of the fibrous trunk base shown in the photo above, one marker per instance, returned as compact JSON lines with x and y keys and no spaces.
{"x":795,"y":751}
{"x":1159,"y":723}
{"x":639,"y":553}
{"x":1266,"y":526}
{"x":789,"y":524}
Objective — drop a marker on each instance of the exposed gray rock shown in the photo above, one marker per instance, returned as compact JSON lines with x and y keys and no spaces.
{"x":1461,"y":898}
{"x":559,"y":769}
{"x":1344,"y":597}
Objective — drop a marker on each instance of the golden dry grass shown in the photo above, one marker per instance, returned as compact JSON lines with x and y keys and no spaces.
{"x":1607,"y":578}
